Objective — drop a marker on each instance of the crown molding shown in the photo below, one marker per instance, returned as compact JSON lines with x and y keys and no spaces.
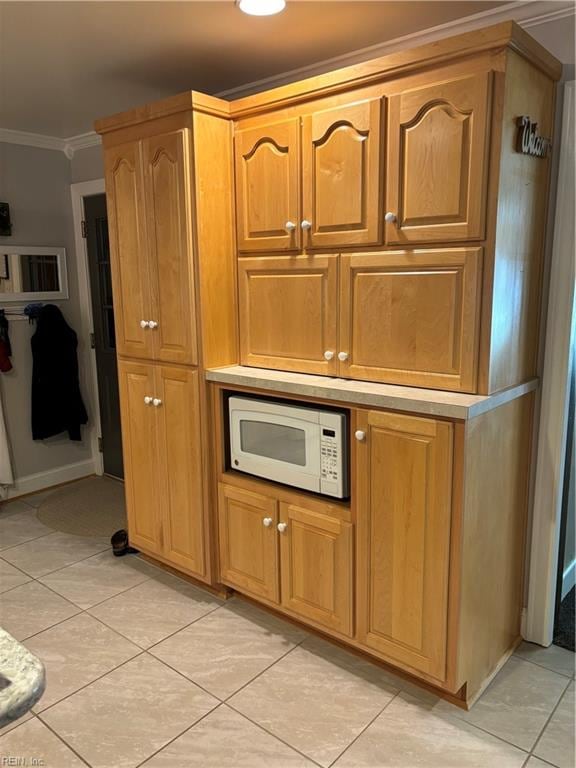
{"x":527,"y":13}
{"x":69,"y":146}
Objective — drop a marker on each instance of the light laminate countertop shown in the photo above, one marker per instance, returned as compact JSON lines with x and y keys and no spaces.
{"x":22,"y":679}
{"x":430,"y":402}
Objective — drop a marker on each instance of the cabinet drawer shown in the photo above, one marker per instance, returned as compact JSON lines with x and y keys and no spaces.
{"x":412,"y":317}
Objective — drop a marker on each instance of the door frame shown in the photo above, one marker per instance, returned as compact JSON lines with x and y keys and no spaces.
{"x":549,"y":480}
{"x":78,"y":192}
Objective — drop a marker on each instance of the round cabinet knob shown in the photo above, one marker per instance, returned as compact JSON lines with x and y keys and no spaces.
{"x":156,"y":402}
{"x":289,"y":226}
{"x":267,"y":522}
{"x":152,"y":324}
{"x":306,"y":224}
{"x":147,"y":400}
{"x":328,"y":355}
{"x":282,"y":527}
{"x":144,"y":324}
{"x":360,"y":435}
{"x":390,"y":217}
{"x":342,"y":356}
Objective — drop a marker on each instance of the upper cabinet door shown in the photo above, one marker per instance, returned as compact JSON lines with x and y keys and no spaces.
{"x":411,"y":317}
{"x":341,"y":175}
{"x":437,"y":162}
{"x":288,"y":313}
{"x":268,"y":187}
{"x":129,"y":250}
{"x":404,"y":481}
{"x":169,"y":216}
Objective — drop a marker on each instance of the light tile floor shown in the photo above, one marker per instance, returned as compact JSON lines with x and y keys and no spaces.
{"x":145,"y":669}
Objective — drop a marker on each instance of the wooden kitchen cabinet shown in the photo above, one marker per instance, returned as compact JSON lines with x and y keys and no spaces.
{"x":317,"y":557}
{"x":248,"y":538}
{"x":404,"y":476}
{"x":141,"y":455}
{"x":129,"y":243}
{"x":149,"y":221}
{"x":288,"y":312}
{"x":162,"y":456}
{"x":182,"y":477}
{"x":411,"y":317}
{"x":268,"y":187}
{"x":437,"y":161}
{"x":341,"y":175}
{"x":166,"y":167}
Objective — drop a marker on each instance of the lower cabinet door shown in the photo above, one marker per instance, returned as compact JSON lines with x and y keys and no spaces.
{"x":181,"y":462}
{"x":141,"y":455}
{"x":248,"y":539}
{"x":404,"y":478}
{"x":317,"y":567}
{"x":288,"y":313}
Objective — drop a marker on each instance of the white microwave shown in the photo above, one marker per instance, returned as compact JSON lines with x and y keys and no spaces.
{"x":298,"y":446}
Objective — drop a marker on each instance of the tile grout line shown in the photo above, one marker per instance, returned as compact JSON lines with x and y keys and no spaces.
{"x":355,"y":739}
{"x":270,"y":733}
{"x":548,"y":669}
{"x":189,"y":728}
{"x":60,"y":738}
{"x":562,"y":695}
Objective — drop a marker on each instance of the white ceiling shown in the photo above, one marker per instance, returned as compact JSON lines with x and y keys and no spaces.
{"x":64,"y":64}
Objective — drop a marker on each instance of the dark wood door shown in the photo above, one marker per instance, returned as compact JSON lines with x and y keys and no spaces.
{"x":104,"y":337}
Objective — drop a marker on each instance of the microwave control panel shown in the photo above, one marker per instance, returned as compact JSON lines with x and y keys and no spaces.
{"x":329,"y":455}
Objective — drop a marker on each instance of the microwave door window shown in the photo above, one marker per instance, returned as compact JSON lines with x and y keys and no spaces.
{"x":273,"y":441}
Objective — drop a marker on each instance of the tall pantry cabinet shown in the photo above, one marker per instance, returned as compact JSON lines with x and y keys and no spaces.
{"x":169,"y":191}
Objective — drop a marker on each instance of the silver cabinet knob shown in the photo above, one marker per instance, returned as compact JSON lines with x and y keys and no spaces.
{"x":148,"y":400}
{"x":342,"y":356}
{"x":144,"y":324}
{"x":328,"y":355}
{"x":152,"y":324}
{"x":289,"y":226}
{"x":306,"y":224}
{"x":282,"y":527}
{"x":267,"y":522}
{"x":360,"y":435}
{"x":390,"y":217}
{"x":156,"y":402}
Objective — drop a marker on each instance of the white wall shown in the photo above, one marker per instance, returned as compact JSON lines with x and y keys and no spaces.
{"x":36,"y":184}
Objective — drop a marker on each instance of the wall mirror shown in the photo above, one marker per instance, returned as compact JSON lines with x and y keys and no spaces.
{"x":32,"y":273}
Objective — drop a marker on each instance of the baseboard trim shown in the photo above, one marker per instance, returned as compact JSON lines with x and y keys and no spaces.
{"x":568,"y":578}
{"x":57,"y":476}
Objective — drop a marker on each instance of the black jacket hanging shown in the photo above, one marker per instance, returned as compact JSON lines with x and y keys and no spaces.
{"x":56,"y":400}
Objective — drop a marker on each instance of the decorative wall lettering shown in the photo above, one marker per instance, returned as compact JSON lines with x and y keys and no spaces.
{"x":528,"y":141}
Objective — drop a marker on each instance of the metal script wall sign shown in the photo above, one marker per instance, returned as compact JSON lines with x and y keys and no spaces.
{"x":528,"y":141}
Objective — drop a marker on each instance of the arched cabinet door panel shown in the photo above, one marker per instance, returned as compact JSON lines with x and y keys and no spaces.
{"x":129,"y":249}
{"x":341,"y":175}
{"x":437,"y":162}
{"x":268,"y":187}
{"x":166,"y":164}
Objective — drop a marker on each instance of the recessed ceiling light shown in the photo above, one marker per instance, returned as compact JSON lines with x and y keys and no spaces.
{"x":261,"y":7}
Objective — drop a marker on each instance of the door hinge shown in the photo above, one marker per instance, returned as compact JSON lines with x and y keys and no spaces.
{"x":101,"y":450}
{"x":92,"y":341}
{"x":83,"y":228}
